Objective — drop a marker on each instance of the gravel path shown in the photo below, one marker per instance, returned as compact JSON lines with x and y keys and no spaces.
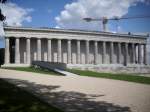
{"x":83,"y":94}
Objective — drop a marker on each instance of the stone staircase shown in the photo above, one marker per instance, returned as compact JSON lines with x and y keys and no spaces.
{"x":53,"y":66}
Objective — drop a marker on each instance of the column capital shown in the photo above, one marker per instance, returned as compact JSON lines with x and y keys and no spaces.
{"x":95,"y":41}
{"x":17,"y":37}
{"x":104,"y":42}
{"x":119,"y":42}
{"x":133,"y":43}
{"x":28,"y":38}
{"x":126,"y":42}
{"x":6,"y":37}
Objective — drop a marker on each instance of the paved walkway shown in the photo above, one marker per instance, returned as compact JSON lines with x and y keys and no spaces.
{"x":83,"y":94}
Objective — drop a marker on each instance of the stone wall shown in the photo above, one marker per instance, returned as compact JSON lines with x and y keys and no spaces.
{"x":113,"y":68}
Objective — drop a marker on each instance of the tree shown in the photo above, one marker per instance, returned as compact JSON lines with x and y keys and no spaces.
{"x":3,"y":1}
{"x":2,"y":17}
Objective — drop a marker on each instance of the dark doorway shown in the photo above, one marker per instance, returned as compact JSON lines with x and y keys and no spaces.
{"x":1,"y":56}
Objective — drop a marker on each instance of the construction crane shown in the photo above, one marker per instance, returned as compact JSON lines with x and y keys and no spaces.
{"x":105,"y":20}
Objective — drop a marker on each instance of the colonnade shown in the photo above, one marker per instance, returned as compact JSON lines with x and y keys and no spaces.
{"x":139,"y":52}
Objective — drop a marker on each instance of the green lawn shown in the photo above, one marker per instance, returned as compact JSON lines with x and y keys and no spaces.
{"x":125,"y":77}
{"x":14,"y":99}
{"x":32,"y":69}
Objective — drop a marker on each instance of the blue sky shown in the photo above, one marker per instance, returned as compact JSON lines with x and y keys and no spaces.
{"x":45,"y":12}
{"x":69,"y":13}
{"x":137,"y":25}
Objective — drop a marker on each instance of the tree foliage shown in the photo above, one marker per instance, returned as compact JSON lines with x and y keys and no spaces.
{"x":2,"y":17}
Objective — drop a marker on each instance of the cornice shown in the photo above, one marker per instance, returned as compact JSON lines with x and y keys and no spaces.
{"x":70,"y":31}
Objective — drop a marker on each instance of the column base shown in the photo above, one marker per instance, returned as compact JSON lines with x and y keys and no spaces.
{"x":15,"y":65}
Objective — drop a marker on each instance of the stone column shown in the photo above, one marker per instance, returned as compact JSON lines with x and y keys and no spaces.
{"x":78,"y":51}
{"x":28,"y":44}
{"x":96,"y":52}
{"x":69,"y":51}
{"x":59,"y":50}
{"x":139,"y":54}
{"x":111,"y":52}
{"x":104,"y":53}
{"x":87,"y":51}
{"x":39,"y":49}
{"x":133,"y":53}
{"x":17,"y":51}
{"x":145,"y":54}
{"x":119,"y":53}
{"x":126,"y":54}
{"x":7,"y":52}
{"x":49,"y":52}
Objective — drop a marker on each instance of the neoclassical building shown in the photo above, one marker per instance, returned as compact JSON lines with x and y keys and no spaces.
{"x":76,"y":48}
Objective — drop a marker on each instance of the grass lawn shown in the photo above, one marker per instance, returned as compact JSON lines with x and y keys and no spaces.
{"x":124,"y":77}
{"x":14,"y":99}
{"x":35,"y":70}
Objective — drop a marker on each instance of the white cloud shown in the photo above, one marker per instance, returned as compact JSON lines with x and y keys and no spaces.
{"x":15,"y":15}
{"x":57,"y":27}
{"x":71,"y":16}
